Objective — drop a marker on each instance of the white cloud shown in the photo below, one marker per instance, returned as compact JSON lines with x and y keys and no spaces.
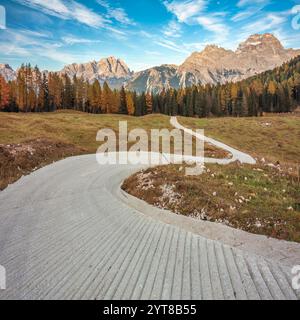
{"x":290,"y":40}
{"x":22,"y":42}
{"x":68,"y":10}
{"x":11,"y":49}
{"x":243,"y":3}
{"x":173,"y":29}
{"x":268,"y":23}
{"x":26,"y":45}
{"x":245,"y":14}
{"x":146,"y":34}
{"x":73,"y":40}
{"x":38,"y":34}
{"x":213,"y":25}
{"x":185,"y":10}
{"x":192,"y":12}
{"x":171,"y":45}
{"x":55,"y":55}
{"x":249,"y":8}
{"x":118,"y":14}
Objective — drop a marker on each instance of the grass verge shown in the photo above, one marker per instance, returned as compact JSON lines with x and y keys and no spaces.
{"x":260,"y":199}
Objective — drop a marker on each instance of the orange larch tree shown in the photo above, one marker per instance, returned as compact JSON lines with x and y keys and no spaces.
{"x":4,"y":93}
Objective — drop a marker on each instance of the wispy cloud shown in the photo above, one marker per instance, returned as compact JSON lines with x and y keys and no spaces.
{"x":38,"y":34}
{"x":170,"y":45}
{"x":173,"y":29}
{"x":185,"y":10}
{"x":287,"y":39}
{"x":193,"y":12}
{"x":68,"y":10}
{"x":28,"y":46}
{"x":71,"y":40}
{"x":12,"y":49}
{"x":213,"y":24}
{"x":245,"y":14}
{"x":249,"y":8}
{"x":119,"y":14}
{"x":243,"y":3}
{"x":269,"y":22}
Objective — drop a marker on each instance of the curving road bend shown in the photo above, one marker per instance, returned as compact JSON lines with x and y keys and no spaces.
{"x":67,"y":233}
{"x":236,"y":154}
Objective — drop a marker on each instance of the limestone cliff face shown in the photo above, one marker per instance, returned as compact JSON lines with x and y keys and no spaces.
{"x":112,"y":70}
{"x":155,"y":79}
{"x":7,"y":72}
{"x":217,"y":65}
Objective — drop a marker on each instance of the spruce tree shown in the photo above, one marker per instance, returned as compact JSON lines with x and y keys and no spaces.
{"x":123,"y":102}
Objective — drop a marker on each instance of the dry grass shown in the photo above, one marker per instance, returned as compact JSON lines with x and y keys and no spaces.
{"x":17,"y":160}
{"x":75,"y":128}
{"x":79,"y":129}
{"x":260,"y":199}
{"x":57,"y":135}
{"x":275,"y":138}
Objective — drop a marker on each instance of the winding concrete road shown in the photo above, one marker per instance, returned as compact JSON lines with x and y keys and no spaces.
{"x":236,"y":154}
{"x":68,"y":232}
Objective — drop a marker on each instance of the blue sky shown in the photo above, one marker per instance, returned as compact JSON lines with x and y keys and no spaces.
{"x":144,"y":33}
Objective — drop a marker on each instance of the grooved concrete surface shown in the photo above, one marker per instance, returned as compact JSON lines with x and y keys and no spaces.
{"x":64,"y":234}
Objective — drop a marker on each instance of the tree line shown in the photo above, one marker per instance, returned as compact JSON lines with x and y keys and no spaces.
{"x":272,"y":91}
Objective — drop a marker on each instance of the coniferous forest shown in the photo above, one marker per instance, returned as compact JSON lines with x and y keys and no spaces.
{"x":272,"y":91}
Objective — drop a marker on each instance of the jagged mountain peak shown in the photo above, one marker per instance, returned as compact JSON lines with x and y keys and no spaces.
{"x":260,"y":52}
{"x":112,"y":60}
{"x":212,"y":48}
{"x":7,"y":72}
{"x":112,"y":66}
{"x":264,"y":38}
{"x":5,"y":65}
{"x":261,"y":42}
{"x":112,"y":70}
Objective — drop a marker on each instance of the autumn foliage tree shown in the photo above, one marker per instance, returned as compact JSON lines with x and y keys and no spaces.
{"x":4,"y":93}
{"x":277,"y":90}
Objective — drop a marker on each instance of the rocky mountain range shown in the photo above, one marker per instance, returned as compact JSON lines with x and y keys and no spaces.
{"x":7,"y":72}
{"x":216,"y":65}
{"x":112,"y":70}
{"x":211,"y":66}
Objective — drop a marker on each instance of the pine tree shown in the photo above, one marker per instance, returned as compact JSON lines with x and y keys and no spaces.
{"x":123,"y":102}
{"x":234,"y":100}
{"x":149,"y":103}
{"x":107,"y":97}
{"x":56,"y":89}
{"x":272,"y":95}
{"x":67,"y":97}
{"x":43,"y":95}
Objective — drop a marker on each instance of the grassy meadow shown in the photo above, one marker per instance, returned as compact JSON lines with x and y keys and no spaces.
{"x":260,"y":199}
